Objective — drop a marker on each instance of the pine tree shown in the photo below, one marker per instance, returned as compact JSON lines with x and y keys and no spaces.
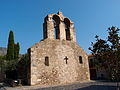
{"x":10,"y":48}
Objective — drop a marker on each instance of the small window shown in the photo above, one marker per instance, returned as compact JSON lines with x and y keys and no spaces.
{"x":80,"y":60}
{"x":46,"y":61}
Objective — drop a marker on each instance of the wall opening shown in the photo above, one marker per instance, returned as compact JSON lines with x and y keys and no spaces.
{"x":67,"y":28}
{"x":56,"y":21}
{"x":45,"y":28}
{"x":80,"y":60}
{"x":46,"y":61}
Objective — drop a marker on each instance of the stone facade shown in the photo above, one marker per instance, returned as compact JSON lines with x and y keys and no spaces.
{"x":57,"y":59}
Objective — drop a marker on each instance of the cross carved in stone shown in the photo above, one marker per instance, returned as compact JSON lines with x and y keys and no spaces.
{"x":66,"y":58}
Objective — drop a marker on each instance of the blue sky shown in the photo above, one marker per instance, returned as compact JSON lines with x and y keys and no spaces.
{"x":25,"y":18}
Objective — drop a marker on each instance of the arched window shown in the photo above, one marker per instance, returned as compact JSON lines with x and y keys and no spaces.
{"x":80,"y":60}
{"x":45,"y":27}
{"x":67,"y":28}
{"x":56,"y":21}
{"x":46,"y":61}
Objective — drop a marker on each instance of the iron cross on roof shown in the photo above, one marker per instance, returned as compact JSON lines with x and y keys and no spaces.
{"x":66,"y":58}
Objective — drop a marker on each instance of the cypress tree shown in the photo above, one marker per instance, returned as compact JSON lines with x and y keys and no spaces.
{"x":10,"y":47}
{"x":16,"y":50}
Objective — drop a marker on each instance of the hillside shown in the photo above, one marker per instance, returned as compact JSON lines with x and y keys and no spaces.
{"x":3,"y":51}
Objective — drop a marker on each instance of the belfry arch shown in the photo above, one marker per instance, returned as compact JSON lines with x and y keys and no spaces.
{"x":57,"y":26}
{"x":56,"y":21}
{"x":67,"y":28}
{"x":45,"y":33}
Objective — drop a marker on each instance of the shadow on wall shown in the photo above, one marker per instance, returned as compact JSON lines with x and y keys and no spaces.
{"x":98,"y":87}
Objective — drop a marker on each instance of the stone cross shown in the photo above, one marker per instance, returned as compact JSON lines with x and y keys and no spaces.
{"x":66,"y":58}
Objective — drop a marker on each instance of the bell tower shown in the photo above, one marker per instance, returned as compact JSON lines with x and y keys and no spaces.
{"x":57,"y":26}
{"x":57,"y":59}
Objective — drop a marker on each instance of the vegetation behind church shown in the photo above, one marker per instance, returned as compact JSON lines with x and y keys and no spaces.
{"x":9,"y":61}
{"x":107,"y":53}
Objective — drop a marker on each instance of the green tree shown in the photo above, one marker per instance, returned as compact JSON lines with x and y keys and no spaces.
{"x":10,"y":47}
{"x":23,"y":66}
{"x":12,"y":53}
{"x":2,"y":65}
{"x":107,"y":53}
{"x":16,"y":51}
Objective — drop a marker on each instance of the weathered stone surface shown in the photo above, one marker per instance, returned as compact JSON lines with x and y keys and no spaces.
{"x":58,"y":72}
{"x":57,"y":61}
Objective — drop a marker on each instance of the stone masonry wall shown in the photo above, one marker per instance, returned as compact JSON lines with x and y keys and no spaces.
{"x":58,"y":72}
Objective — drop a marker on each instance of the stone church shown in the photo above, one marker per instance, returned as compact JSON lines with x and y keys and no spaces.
{"x":57,"y":59}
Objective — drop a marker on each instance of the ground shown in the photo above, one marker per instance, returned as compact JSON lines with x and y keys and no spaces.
{"x":92,"y":85}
